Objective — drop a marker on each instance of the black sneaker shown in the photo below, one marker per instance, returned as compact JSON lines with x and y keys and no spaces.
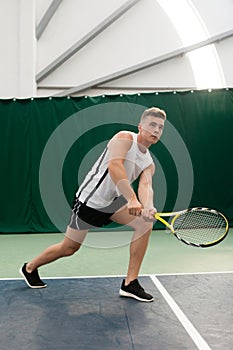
{"x":32,"y":279}
{"x":134,"y":290}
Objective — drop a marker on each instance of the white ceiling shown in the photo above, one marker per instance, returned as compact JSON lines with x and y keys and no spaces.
{"x":128,"y":54}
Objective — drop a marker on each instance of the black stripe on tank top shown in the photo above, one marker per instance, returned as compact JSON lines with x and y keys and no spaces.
{"x":95,"y":173}
{"x":96,"y":186}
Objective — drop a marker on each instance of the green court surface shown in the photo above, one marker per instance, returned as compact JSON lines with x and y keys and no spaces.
{"x":106,"y":254}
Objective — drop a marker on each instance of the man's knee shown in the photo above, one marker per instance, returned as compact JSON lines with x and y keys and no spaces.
{"x":68,"y":251}
{"x":69,"y":247}
{"x":143,"y":226}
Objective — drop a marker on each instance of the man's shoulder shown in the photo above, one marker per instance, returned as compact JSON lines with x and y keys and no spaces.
{"x":122,"y":142}
{"x":127,"y":135}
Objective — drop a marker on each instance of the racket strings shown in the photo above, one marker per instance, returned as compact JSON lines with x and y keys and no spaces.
{"x":200,"y":226}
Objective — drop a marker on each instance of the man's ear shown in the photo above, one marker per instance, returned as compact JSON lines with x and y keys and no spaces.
{"x":139,"y":127}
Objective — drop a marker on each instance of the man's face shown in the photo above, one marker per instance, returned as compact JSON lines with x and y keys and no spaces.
{"x":151,"y":129}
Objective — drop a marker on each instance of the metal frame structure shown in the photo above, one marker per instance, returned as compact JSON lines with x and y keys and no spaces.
{"x":84,"y":41}
{"x":146,"y":64}
{"x":98,"y":83}
{"x":47,"y":17}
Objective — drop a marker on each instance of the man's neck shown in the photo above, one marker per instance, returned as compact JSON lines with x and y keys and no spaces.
{"x":142,"y":145}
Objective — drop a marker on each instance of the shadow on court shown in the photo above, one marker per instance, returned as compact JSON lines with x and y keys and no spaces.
{"x":88,"y":314}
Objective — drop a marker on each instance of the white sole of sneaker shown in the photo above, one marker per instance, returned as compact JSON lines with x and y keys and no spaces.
{"x":29,"y":285}
{"x":130,"y":295}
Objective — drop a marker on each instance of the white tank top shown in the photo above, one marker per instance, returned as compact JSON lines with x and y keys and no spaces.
{"x":98,"y":190}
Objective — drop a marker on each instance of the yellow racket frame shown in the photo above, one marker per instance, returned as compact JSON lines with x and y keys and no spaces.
{"x":159,"y":216}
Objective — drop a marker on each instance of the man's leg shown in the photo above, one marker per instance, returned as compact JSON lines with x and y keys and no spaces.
{"x":138,"y":248}
{"x":139,"y":242}
{"x":142,"y":229}
{"x":71,"y":243}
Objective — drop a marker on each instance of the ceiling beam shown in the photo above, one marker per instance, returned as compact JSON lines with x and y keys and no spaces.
{"x":47,"y":17}
{"x":146,"y":64}
{"x":85,"y":40}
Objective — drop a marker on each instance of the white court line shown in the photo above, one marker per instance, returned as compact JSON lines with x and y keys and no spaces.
{"x":67,"y":277}
{"x":188,"y":326}
{"x":193,"y":273}
{"x":122,"y":276}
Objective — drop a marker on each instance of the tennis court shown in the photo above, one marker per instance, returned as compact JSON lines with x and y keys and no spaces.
{"x":106,"y":103}
{"x":81,"y":307}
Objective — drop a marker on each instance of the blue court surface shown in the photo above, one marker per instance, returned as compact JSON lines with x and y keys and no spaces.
{"x":190,"y":311}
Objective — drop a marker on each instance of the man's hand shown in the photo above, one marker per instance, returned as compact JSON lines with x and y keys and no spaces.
{"x":134,"y":206}
{"x":149,"y":213}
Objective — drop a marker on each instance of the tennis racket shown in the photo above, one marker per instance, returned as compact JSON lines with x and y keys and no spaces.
{"x":198,"y":227}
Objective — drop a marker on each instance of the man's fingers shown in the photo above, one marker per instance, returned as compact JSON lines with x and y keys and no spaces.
{"x":135,"y":211}
{"x":149,"y":213}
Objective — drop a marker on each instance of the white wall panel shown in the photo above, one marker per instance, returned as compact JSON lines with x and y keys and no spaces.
{"x":9,"y":67}
{"x":142,"y":33}
{"x":167,"y":75}
{"x":73,"y":20}
{"x":225,"y":52}
{"x":216,"y":14}
{"x":18,"y":45}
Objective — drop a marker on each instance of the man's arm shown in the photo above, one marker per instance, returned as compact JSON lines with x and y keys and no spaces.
{"x":146,"y":193}
{"x":118,"y":148}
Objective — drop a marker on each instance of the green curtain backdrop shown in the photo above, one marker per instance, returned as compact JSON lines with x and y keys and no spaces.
{"x":203,"y":120}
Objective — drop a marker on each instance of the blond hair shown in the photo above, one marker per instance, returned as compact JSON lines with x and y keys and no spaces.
{"x":154,"y":112}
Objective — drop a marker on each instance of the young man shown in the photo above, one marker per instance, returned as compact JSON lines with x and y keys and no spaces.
{"x":106,"y":195}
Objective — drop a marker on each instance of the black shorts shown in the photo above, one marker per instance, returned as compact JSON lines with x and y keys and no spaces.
{"x":85,"y":218}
